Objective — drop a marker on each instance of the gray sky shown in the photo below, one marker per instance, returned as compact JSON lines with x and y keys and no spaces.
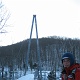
{"x":54,"y":18}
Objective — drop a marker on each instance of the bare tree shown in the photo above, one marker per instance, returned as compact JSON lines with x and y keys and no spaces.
{"x":4,"y":16}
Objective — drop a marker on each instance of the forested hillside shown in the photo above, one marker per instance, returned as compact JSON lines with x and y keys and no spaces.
{"x":51,"y":49}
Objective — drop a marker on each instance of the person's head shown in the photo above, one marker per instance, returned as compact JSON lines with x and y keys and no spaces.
{"x":68,"y":59}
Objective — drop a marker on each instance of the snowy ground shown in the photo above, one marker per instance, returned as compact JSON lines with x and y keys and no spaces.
{"x":27,"y":77}
{"x":30,"y":76}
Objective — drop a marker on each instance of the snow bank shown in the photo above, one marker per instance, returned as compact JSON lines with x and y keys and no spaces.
{"x":27,"y":77}
{"x":31,"y":76}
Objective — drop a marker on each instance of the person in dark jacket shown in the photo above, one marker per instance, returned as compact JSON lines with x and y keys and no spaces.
{"x":71,"y":69}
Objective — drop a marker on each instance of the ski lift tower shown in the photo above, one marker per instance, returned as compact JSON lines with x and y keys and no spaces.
{"x":38,"y":51}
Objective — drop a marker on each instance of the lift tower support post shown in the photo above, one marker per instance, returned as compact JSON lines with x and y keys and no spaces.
{"x":38,"y":50}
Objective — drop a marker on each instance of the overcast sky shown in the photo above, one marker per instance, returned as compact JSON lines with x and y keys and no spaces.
{"x":54,"y":18}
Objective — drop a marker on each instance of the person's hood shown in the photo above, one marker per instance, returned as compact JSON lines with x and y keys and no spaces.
{"x":76,"y":65}
{"x":73,"y":67}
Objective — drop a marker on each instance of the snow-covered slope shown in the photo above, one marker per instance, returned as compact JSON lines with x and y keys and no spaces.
{"x":27,"y":77}
{"x":30,"y":76}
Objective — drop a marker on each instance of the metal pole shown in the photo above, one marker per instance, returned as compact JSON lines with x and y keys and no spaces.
{"x":29,"y":42}
{"x":38,"y":51}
